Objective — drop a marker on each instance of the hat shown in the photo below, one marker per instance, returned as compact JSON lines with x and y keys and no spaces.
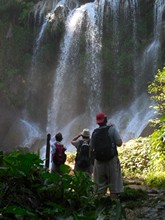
{"x":86,"y":133}
{"x":100,"y":117}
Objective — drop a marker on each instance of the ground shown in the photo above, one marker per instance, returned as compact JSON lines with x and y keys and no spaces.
{"x":153,"y":207}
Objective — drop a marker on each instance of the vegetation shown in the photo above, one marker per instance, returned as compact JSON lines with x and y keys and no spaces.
{"x":145,"y":157}
{"x":157,"y":91}
{"x":157,"y":139}
{"x":16,"y":10}
{"x":29,"y":191}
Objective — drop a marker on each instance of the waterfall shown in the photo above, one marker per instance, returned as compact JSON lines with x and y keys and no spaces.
{"x":114,"y":6}
{"x":94,"y":46}
{"x":134,"y":13}
{"x":139,"y":110}
{"x":73,"y":23}
{"x":32,"y":132}
{"x":78,"y":78}
{"x":136,"y":117}
{"x":133,"y":120}
{"x":65,"y":86}
{"x":34,"y":78}
{"x":151,"y":54}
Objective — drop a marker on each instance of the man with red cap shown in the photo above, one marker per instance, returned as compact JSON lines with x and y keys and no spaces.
{"x":107,"y":170}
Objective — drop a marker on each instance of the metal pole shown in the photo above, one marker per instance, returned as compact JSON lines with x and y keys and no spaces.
{"x":47,"y":150}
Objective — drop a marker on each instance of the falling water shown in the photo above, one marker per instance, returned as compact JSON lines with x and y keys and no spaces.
{"x":77,"y":95}
{"x":158,"y":13}
{"x":73,"y":23}
{"x":134,"y":7}
{"x":94,"y":46}
{"x":133,"y":120}
{"x":34,"y":75}
{"x":151,"y":54}
{"x":63,"y":82}
{"x":50,"y":16}
{"x":114,"y":6}
{"x":32,"y":132}
{"x":39,"y":12}
{"x":139,"y":110}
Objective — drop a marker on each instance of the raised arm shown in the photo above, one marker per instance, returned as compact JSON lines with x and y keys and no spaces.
{"x":74,"y":140}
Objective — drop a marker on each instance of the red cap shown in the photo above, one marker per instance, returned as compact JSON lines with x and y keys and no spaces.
{"x":100,"y":117}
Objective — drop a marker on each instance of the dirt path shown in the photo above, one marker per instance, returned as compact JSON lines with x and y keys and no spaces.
{"x":151,"y":208}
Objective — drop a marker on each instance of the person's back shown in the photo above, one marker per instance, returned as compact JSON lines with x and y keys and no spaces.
{"x":107,"y":171}
{"x":58,"y":153}
{"x":82,"y":159}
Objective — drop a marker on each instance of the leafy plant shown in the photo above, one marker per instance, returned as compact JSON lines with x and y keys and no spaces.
{"x":29,"y":191}
{"x":134,"y":157}
{"x":26,"y":6}
{"x":157,"y":139}
{"x":157,"y":150}
{"x":156,"y":179}
{"x":133,"y":194}
{"x":20,"y":163}
{"x":157,"y":91}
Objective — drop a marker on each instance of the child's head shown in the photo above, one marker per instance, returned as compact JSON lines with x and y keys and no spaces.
{"x":58,"y":137}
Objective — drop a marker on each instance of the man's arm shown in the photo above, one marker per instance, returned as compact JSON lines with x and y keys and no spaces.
{"x":74,"y":140}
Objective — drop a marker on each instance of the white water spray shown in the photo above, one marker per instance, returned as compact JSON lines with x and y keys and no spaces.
{"x":133,"y":120}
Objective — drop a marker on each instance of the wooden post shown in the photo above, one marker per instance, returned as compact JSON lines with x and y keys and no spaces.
{"x":47,"y":151}
{"x":1,"y":158}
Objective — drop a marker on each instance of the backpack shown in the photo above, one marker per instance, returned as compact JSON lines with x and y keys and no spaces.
{"x":59,"y":157}
{"x":104,"y":149}
{"x":83,"y":155}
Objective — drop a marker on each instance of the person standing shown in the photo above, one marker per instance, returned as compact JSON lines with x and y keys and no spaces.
{"x":107,"y":169}
{"x":82,"y":144}
{"x":58,"y":155}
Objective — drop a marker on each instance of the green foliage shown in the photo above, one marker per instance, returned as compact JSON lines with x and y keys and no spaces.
{"x":134,"y":157}
{"x":157,"y":150}
{"x":156,"y":179}
{"x":20,"y":163}
{"x":108,"y":209}
{"x":133,"y":194}
{"x":157,"y":91}
{"x":156,"y":140}
{"x":143,"y":155}
{"x":25,"y":10}
{"x":133,"y":197}
{"x":29,"y":191}
{"x":18,"y":212}
{"x":16,"y":7}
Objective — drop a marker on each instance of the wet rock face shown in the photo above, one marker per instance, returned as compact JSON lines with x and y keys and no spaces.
{"x":85,"y":1}
{"x":10,"y":134}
